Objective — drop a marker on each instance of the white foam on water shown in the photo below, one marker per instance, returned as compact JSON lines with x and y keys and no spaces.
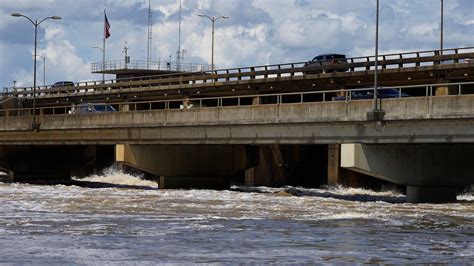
{"x":115,"y":176}
{"x":466,"y":197}
{"x":362,"y":191}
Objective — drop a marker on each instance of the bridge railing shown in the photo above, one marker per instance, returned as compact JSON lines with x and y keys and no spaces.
{"x":145,"y":65}
{"x":366,"y":63}
{"x":427,"y":90}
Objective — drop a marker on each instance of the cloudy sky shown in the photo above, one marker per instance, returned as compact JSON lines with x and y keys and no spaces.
{"x":258,"y":32}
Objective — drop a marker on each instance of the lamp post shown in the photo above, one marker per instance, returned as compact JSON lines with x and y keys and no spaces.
{"x":35,"y":125}
{"x":213,"y":20}
{"x":375,"y":105}
{"x":103,"y":62}
{"x":44,"y":68}
{"x":441,"y":27}
{"x":376,"y":114}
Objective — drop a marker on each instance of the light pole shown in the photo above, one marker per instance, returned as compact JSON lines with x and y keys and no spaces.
{"x":213,"y":20}
{"x":103,"y":62}
{"x":375,"y":105}
{"x":44,"y":68}
{"x":441,"y":27}
{"x":35,"y":125}
{"x":376,"y":114}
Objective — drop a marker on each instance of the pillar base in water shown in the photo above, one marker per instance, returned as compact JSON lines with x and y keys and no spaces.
{"x":429,"y":194}
{"x":180,"y":182}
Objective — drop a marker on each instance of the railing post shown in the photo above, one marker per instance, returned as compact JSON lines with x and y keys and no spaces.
{"x":252,"y":69}
{"x":459,"y":89}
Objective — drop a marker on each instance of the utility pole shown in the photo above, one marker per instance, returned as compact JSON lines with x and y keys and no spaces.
{"x":178,"y":52}
{"x":441,"y":27}
{"x":150,"y":35}
{"x":126,"y":58}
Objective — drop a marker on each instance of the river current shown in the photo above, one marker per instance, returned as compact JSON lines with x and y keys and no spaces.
{"x":121,"y":219}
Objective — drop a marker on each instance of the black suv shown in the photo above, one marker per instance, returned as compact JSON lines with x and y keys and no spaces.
{"x":327,"y":59}
{"x":63,"y":84}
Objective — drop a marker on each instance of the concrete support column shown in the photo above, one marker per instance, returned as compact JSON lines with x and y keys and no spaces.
{"x":430,"y":194}
{"x":431,"y":172}
{"x":271,"y":169}
{"x":186,"y":166}
{"x":334,"y":165}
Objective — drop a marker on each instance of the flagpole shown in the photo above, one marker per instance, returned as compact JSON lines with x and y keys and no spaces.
{"x":103,"y":49}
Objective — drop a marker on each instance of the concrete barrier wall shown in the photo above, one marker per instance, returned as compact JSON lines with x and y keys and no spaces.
{"x":396,"y":109}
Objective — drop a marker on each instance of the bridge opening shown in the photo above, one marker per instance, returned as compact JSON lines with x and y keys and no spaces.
{"x":54,"y":163}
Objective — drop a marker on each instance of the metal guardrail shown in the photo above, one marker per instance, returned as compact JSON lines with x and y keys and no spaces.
{"x":144,"y":65}
{"x":366,"y":63}
{"x":427,"y":90}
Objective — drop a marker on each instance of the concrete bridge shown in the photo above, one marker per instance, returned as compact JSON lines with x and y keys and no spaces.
{"x":301,"y":138}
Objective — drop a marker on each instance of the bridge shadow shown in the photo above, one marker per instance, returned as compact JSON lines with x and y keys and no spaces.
{"x":321,"y":193}
{"x":94,"y":184}
{"x":79,"y":183}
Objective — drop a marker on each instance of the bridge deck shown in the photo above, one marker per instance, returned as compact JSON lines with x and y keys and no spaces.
{"x":445,"y":119}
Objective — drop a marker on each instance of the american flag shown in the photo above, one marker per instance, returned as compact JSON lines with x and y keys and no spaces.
{"x":106,"y":27}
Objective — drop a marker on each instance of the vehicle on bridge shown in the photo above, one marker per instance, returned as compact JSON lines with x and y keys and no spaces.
{"x":63,"y":84}
{"x":91,"y":108}
{"x":327,"y":59}
{"x":382,"y":93}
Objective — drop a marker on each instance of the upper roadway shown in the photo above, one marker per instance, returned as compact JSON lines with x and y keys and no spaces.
{"x":421,"y":67}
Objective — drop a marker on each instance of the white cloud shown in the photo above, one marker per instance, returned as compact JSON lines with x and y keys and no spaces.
{"x":258,"y":31}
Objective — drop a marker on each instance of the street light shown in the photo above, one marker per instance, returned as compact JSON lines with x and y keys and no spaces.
{"x":35,"y":125}
{"x":375,"y":104}
{"x":376,"y":114}
{"x":213,"y":20}
{"x":441,"y":27}
{"x":103,"y":62}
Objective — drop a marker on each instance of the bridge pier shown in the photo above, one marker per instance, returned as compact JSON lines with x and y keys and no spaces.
{"x":297,"y":165}
{"x":431,"y":194}
{"x":187,"y":166}
{"x":431,"y":172}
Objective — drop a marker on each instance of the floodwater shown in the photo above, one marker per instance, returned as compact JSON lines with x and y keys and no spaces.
{"x":129,"y":221}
